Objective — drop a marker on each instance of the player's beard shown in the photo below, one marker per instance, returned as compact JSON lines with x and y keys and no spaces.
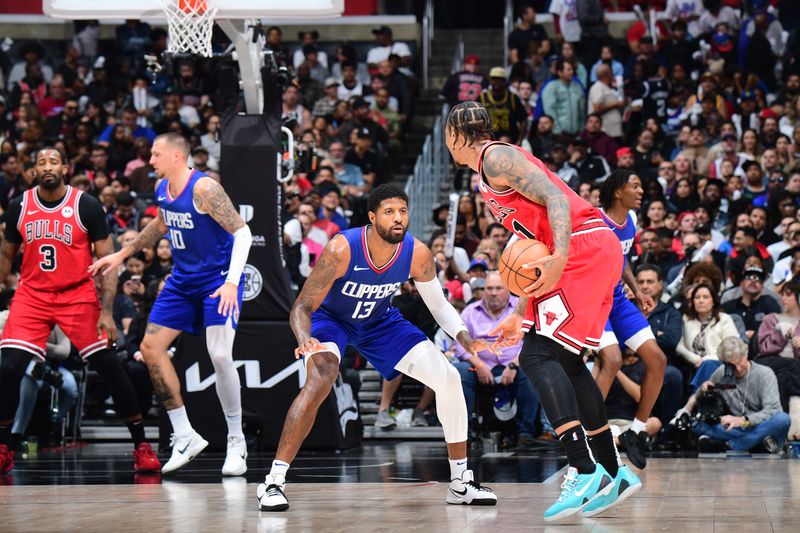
{"x":51,"y":185}
{"x":388,"y":236}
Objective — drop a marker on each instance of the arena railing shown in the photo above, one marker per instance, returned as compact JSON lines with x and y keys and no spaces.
{"x":508,"y":26}
{"x":427,"y":40}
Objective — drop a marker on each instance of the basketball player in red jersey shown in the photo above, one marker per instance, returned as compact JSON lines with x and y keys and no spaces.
{"x":57,"y":226}
{"x":566,"y":307}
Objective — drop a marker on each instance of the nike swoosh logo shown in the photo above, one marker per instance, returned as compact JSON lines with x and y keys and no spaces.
{"x":243,"y":456}
{"x":185,"y":448}
{"x":581,"y":492}
{"x":162,"y":198}
{"x":462,"y":463}
{"x":358,"y":269}
{"x":33,"y":212}
{"x":224,"y":272}
{"x":464,"y":493}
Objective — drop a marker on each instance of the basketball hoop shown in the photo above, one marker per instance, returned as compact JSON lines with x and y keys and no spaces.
{"x":190,"y":25}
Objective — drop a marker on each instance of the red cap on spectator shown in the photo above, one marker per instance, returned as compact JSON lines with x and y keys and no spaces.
{"x":151,"y":211}
{"x":625,"y":150}
{"x":472,"y":59}
{"x":767,"y":113}
{"x":684,"y":215}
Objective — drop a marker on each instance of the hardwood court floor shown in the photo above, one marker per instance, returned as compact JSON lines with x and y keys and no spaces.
{"x":680,"y":495}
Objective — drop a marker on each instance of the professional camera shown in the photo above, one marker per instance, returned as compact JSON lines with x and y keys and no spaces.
{"x":711,"y":406}
{"x":40,"y":371}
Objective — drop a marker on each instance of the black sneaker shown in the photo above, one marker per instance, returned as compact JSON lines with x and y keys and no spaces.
{"x":635,"y":446}
{"x":770,"y":445}
{"x":706,"y":444}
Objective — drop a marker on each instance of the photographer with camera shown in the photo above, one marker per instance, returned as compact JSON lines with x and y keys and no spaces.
{"x":739,"y":407}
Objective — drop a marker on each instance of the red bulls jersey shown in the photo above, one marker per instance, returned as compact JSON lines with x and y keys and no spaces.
{"x":528,"y":219}
{"x":56,"y":249}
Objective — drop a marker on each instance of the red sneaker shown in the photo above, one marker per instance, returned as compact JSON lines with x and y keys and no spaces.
{"x":6,"y":459}
{"x":145,"y":459}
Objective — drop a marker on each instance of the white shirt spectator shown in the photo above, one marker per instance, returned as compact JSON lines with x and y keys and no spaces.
{"x":393,"y":104}
{"x":376,"y":54}
{"x":214,"y":147}
{"x":567,"y":11}
{"x":299,"y":57}
{"x":684,"y":9}
{"x":18,"y":72}
{"x":343,"y":93}
{"x":708,"y":22}
{"x":776,"y":249}
{"x":362,"y":73}
{"x":600,"y":93}
{"x":189,"y":116}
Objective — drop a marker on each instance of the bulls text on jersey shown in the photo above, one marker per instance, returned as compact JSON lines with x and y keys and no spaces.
{"x":41,"y":229}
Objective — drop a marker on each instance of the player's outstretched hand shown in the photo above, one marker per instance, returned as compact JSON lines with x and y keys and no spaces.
{"x":548,"y":269}
{"x":646,"y":302}
{"x":228,"y":295}
{"x":106,"y":264}
{"x":480,"y":345}
{"x":311,"y":345}
{"x":106,"y":323}
{"x":508,"y":332}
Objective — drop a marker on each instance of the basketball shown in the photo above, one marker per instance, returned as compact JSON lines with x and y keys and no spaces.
{"x":520,"y":253}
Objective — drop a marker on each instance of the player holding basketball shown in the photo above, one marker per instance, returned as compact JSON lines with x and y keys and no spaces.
{"x":567,"y":306}
{"x":346,"y":300}
{"x":57,"y":226}
{"x":620,"y":195}
{"x":210,"y":243}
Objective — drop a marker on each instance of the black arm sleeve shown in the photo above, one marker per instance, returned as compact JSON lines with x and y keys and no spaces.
{"x":93,"y":218}
{"x":12,"y":217}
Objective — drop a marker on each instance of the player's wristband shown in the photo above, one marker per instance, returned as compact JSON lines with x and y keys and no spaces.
{"x":242,"y":239}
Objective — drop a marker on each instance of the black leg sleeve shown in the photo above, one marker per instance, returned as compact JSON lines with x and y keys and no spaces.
{"x":540,"y":358}
{"x":106,"y":363}
{"x":13,"y":363}
{"x":591,"y":408}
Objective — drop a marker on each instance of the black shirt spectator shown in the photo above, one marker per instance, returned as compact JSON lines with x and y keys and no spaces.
{"x":525,"y":36}
{"x":753,"y":305}
{"x":465,"y":84}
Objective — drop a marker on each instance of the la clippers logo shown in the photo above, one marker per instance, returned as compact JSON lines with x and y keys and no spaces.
{"x":500,"y":212}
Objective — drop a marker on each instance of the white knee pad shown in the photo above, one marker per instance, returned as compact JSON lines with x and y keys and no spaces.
{"x":219,"y":341}
{"x":428,"y":365}
{"x":328,"y":347}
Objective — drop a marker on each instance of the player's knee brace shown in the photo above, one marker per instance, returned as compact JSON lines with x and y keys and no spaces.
{"x":540,"y":358}
{"x":219,"y":341}
{"x":108,"y":366}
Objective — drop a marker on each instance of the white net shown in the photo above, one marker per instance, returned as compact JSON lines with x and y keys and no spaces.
{"x":190,"y":25}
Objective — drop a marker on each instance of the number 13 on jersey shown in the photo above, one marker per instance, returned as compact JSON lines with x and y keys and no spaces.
{"x":363,"y":309}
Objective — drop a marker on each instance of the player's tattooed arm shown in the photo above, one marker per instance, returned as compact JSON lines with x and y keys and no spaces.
{"x":108,"y":291}
{"x":209,"y":197}
{"x":505,"y":165}
{"x":331,"y":265}
{"x":153,"y":232}
{"x":522,"y":306}
{"x":8,"y":251}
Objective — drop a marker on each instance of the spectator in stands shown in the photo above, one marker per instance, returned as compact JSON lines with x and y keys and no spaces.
{"x":697,"y":153}
{"x":481,"y":318}
{"x":755,"y":416}
{"x":294,"y":111}
{"x":52,"y":104}
{"x":398,"y":85}
{"x":309,"y":84}
{"x":129,"y":116}
{"x":308,"y":38}
{"x":599,"y":141}
{"x":361,"y":155}
{"x":526,"y":37}
{"x":124,"y":214}
{"x":33,"y":83}
{"x":466,"y":84}
{"x":564,"y":100}
{"x":565,"y":21}
{"x":311,"y":68}
{"x":386,"y":46}
{"x":210,"y":140}
{"x":63,"y":124}
{"x":11,"y":181}
{"x":542,"y":137}
{"x":330,"y":206}
{"x":509,"y":119}
{"x":325,"y":105}
{"x":387,"y":117}
{"x":347,"y":52}
{"x":624,"y":395}
{"x":590,"y":168}
{"x":349,"y":86}
{"x":752,"y":306}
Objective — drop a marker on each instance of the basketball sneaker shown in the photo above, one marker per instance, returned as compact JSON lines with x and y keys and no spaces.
{"x":625,"y":484}
{"x":577,"y":490}
{"x":270,"y":494}
{"x":236,"y":456}
{"x":466,"y":491}
{"x":145,"y":459}
{"x":184,"y":449}
{"x":384,"y":421}
{"x":6,"y":459}
{"x":635,"y":446}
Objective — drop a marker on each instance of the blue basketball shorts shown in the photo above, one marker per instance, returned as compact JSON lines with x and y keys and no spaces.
{"x":383,"y":341}
{"x":185,"y":303}
{"x":626,"y":324}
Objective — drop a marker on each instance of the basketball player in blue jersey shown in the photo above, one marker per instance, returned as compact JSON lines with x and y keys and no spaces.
{"x":210,"y":243}
{"x":620,"y":195}
{"x":346,"y":300}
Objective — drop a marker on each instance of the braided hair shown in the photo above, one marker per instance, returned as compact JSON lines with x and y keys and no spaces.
{"x":471,"y":121}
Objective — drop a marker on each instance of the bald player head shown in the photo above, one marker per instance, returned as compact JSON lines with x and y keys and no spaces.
{"x":169,"y":154}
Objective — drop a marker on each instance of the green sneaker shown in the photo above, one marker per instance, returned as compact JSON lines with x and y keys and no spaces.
{"x":578,"y":490}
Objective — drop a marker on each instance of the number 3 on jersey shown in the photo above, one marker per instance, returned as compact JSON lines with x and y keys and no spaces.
{"x":177,"y":239}
{"x":48,"y":254}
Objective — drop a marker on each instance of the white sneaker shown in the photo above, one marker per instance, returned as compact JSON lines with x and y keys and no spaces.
{"x":270,"y":494}
{"x":466,"y":491}
{"x":184,"y":449}
{"x":236,"y":456}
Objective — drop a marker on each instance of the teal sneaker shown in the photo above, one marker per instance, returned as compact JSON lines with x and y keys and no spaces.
{"x":625,"y":484}
{"x":578,"y":490}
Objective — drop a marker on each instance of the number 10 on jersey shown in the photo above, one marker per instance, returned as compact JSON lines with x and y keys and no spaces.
{"x":177,"y":239}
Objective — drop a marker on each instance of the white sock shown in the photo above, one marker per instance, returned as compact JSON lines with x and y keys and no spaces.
{"x":638,"y":426}
{"x":457,"y":467}
{"x":234,"y":422}
{"x":180,"y":422}
{"x":279,"y":468}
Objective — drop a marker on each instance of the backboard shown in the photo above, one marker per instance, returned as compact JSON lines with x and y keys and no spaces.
{"x":229,"y":9}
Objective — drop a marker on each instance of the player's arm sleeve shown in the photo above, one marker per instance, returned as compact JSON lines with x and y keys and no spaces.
{"x":93,"y":218}
{"x":13,"y":213}
{"x":242,"y":239}
{"x":443,"y":312}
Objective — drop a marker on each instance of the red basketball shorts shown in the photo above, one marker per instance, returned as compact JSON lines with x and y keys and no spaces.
{"x":575,"y":312}
{"x":34,"y":313}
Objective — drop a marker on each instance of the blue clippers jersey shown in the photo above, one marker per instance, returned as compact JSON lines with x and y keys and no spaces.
{"x":199,"y":243}
{"x":364,"y":293}
{"x":626,"y":233}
